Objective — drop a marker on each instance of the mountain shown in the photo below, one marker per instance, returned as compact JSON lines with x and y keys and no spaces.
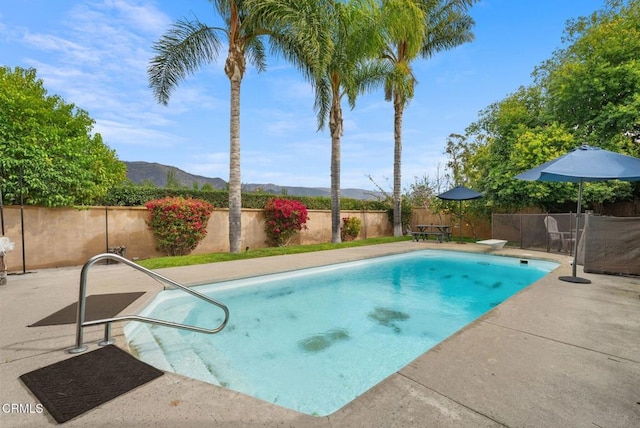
{"x":309,"y":191}
{"x":156,"y":173}
{"x":139,"y":172}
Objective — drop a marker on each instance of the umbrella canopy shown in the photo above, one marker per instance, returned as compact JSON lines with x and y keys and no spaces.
{"x":582,"y":164}
{"x":586,"y":163}
{"x":460,"y":193}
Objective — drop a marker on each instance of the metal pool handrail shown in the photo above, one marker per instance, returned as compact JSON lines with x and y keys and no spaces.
{"x":81,"y":323}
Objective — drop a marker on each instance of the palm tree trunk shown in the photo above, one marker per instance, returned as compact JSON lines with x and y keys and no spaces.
{"x":398,"y":108}
{"x":234,"y":68}
{"x":335,"y":127}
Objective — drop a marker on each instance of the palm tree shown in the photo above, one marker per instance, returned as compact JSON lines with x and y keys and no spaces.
{"x":413,"y":29}
{"x":350,"y":71}
{"x":294,"y":32}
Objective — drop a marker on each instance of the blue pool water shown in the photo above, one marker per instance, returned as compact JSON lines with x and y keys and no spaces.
{"x":315,"y":339}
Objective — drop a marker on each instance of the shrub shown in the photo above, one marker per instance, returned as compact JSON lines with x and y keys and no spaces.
{"x":178,"y":224}
{"x":350,"y":227}
{"x":284,"y":218}
{"x":136,"y":195}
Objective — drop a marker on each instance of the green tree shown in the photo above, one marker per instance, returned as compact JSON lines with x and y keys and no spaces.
{"x":594,"y":83}
{"x":350,"y":72}
{"x":516,"y":135}
{"x":422,"y":192}
{"x":172,"y":180}
{"x":189,"y":44}
{"x":415,"y":29}
{"x":458,"y":152}
{"x":147,"y":182}
{"x":50,"y":143}
{"x":589,"y":92}
{"x":505,"y":141}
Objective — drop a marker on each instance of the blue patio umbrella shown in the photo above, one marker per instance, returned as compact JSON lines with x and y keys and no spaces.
{"x":585,"y":163}
{"x":460,"y":193}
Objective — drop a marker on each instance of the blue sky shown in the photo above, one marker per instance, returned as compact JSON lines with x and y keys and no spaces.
{"x":94,"y":53}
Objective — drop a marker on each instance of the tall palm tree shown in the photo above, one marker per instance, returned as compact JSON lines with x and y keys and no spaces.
{"x":350,"y":71}
{"x":415,"y":29}
{"x":294,"y":32}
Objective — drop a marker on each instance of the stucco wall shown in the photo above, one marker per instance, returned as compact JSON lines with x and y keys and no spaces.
{"x":56,"y":237}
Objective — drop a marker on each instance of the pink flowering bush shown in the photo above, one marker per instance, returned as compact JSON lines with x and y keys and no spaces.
{"x":284,"y":218}
{"x":178,"y":224}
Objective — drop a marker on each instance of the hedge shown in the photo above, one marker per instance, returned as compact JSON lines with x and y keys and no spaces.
{"x":133,"y":196}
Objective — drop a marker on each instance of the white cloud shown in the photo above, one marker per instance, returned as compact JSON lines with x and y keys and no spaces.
{"x":143,"y":16}
{"x":123,"y":134}
{"x":97,"y":59}
{"x":52,"y":43}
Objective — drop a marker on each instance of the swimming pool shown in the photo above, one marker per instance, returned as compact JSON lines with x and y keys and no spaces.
{"x":313,"y":340}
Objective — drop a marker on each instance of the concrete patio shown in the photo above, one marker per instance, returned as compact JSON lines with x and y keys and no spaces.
{"x":556,"y":354}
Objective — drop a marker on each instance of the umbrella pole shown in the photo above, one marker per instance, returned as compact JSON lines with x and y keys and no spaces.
{"x":573,"y":277}
{"x":460,"y":220}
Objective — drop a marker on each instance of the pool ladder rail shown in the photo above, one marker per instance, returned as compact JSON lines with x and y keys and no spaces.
{"x":81,"y":323}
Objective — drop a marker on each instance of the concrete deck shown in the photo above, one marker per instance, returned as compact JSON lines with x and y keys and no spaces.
{"x":556,"y":354}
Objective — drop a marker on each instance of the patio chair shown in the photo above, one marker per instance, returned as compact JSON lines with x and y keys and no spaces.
{"x":555,"y":237}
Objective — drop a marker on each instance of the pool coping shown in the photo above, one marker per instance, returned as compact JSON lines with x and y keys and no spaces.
{"x":555,"y":353}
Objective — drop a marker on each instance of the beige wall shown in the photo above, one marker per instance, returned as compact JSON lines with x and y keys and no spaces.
{"x":56,"y":237}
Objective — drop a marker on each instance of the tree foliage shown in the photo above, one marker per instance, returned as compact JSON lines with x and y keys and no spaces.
{"x":595,"y":81}
{"x":412,"y":29}
{"x":588,"y":92}
{"x":351,"y":70}
{"x":130,"y":195}
{"x":48,"y":154}
{"x":296,"y":31}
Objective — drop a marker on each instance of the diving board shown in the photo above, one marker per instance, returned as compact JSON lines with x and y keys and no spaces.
{"x":495,"y":244}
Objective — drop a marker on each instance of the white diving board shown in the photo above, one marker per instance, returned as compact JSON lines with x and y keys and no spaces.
{"x":495,"y":244}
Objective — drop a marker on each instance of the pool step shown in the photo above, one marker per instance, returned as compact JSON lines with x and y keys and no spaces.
{"x":181,"y":357}
{"x":225,"y":372}
{"x":148,"y":349}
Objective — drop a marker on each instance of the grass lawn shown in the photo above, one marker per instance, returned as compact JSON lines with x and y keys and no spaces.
{"x":196,"y":259}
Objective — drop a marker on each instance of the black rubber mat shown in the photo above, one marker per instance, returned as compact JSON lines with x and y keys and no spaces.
{"x":74,"y":386}
{"x":99,"y":306}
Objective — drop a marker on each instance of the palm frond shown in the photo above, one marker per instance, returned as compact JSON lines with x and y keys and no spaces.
{"x":181,"y":51}
{"x":255,"y":53}
{"x":223,"y":8}
{"x":400,"y":81}
{"x":298,"y":30}
{"x":448,"y":25}
{"x":322,"y":103}
{"x":456,"y":30}
{"x":402,"y":23}
{"x":367,"y":77}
